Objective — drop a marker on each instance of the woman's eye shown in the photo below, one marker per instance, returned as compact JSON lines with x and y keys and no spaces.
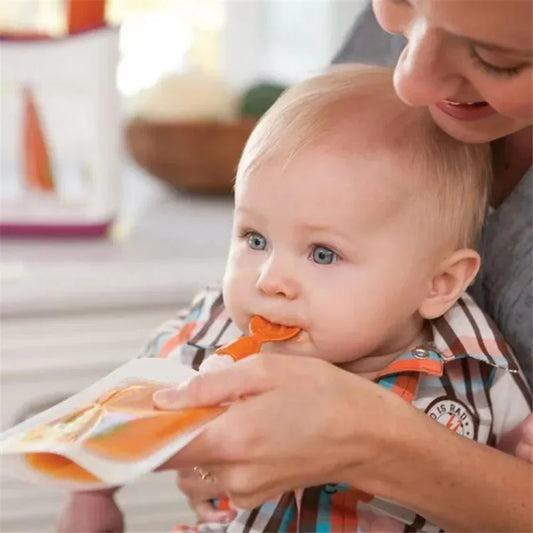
{"x":256,"y":241}
{"x":324,"y":256}
{"x":496,"y":70}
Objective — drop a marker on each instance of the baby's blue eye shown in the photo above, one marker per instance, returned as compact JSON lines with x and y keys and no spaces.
{"x":256,"y":241}
{"x":324,"y":256}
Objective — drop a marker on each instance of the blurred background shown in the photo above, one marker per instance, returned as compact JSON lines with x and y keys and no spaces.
{"x":120,"y":131}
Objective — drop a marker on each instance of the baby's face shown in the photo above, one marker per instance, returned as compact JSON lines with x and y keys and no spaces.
{"x":329,"y":244}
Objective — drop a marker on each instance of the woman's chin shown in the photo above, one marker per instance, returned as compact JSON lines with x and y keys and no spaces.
{"x":476,"y":131}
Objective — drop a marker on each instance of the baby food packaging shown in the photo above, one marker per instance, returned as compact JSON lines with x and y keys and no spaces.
{"x":111,"y":433}
{"x":107,"y":434}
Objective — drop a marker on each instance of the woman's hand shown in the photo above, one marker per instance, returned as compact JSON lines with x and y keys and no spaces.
{"x":298,"y":422}
{"x":200,"y":495}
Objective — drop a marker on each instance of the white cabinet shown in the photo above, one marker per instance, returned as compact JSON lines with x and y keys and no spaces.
{"x":73,"y":311}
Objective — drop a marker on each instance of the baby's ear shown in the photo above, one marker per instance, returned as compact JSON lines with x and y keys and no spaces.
{"x":449,"y":282}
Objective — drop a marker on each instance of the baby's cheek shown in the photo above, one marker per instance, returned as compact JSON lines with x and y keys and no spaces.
{"x":234,"y":301}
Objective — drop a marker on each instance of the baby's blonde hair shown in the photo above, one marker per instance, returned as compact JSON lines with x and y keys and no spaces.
{"x":324,"y":109}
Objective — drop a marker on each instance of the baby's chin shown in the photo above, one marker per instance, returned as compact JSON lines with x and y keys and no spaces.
{"x":303,"y":346}
{"x":293,"y":348}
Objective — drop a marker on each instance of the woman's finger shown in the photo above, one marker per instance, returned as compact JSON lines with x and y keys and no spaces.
{"x":190,"y":483}
{"x":202,"y":495}
{"x":247,"y":377}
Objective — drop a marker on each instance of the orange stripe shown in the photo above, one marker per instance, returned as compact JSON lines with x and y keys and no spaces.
{"x":293,"y":526}
{"x":38,"y":174}
{"x":344,"y":509}
{"x":405,"y":386}
{"x":428,"y":366}
{"x":410,"y":389}
{"x":336,"y":517}
{"x":181,"y":337}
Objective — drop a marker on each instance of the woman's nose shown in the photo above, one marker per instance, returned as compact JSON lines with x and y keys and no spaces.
{"x":277,"y":278}
{"x":426,"y":71}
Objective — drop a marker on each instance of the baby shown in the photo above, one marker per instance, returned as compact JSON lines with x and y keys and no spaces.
{"x":356,"y":219}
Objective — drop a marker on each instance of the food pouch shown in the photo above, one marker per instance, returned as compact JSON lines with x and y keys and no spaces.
{"x":107,"y":434}
{"x":110,"y":433}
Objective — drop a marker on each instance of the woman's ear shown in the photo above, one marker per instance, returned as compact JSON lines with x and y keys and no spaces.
{"x":450,"y":281}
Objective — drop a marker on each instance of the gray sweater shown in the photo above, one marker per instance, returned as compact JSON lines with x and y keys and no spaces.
{"x":504,"y":287}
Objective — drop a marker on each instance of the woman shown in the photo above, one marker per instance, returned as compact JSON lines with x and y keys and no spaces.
{"x":470,"y":63}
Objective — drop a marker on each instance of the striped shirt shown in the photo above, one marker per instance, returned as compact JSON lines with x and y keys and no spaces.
{"x":466,"y":378}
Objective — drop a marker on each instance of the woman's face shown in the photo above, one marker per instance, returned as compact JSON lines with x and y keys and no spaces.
{"x":469,"y":61}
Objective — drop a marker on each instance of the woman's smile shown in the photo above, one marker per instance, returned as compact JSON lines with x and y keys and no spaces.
{"x":465,"y":110}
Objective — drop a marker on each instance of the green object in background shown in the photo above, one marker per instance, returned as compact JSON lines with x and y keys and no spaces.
{"x":258,"y":98}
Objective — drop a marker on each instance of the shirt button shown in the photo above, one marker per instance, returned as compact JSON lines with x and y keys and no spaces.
{"x":421,"y":353}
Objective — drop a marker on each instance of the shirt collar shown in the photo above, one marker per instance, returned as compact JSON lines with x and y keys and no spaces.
{"x":464,"y":331}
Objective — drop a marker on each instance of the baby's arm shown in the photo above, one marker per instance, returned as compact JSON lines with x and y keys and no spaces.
{"x":511,"y":401}
{"x":519,"y":441}
{"x":91,"y":512}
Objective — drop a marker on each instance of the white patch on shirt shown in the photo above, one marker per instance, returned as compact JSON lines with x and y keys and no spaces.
{"x":453,"y":414}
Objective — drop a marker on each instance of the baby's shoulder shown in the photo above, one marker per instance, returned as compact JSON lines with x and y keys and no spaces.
{"x":194,"y":331}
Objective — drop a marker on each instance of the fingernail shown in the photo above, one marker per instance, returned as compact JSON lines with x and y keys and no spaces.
{"x":171,"y":398}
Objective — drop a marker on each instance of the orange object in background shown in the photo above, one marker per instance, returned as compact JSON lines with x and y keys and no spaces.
{"x":37,"y":171}
{"x":83,"y":15}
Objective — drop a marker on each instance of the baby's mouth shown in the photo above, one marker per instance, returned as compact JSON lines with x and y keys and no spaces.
{"x":301,"y":338}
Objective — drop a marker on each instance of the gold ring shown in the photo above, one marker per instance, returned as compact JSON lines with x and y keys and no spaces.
{"x":204,"y":475}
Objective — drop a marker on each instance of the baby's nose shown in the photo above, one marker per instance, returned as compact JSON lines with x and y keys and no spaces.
{"x":277,"y":278}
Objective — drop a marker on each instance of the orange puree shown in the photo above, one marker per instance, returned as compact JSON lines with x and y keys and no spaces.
{"x":139,"y":438}
{"x":59,"y":467}
{"x":127,"y":441}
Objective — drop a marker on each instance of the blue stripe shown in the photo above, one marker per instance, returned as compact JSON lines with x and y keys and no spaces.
{"x":323,"y":518}
{"x":194,"y":314}
{"x":163,"y":337}
{"x":288,"y":517}
{"x":388,"y":381}
{"x":490,"y":380}
{"x":268,"y":508}
{"x":430,"y":382}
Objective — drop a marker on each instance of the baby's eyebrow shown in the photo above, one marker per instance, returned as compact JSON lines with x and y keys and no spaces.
{"x":241,"y":209}
{"x":309,"y":226}
{"x":324,"y":229}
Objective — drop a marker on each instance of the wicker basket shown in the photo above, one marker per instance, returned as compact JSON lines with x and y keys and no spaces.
{"x":194,"y":156}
